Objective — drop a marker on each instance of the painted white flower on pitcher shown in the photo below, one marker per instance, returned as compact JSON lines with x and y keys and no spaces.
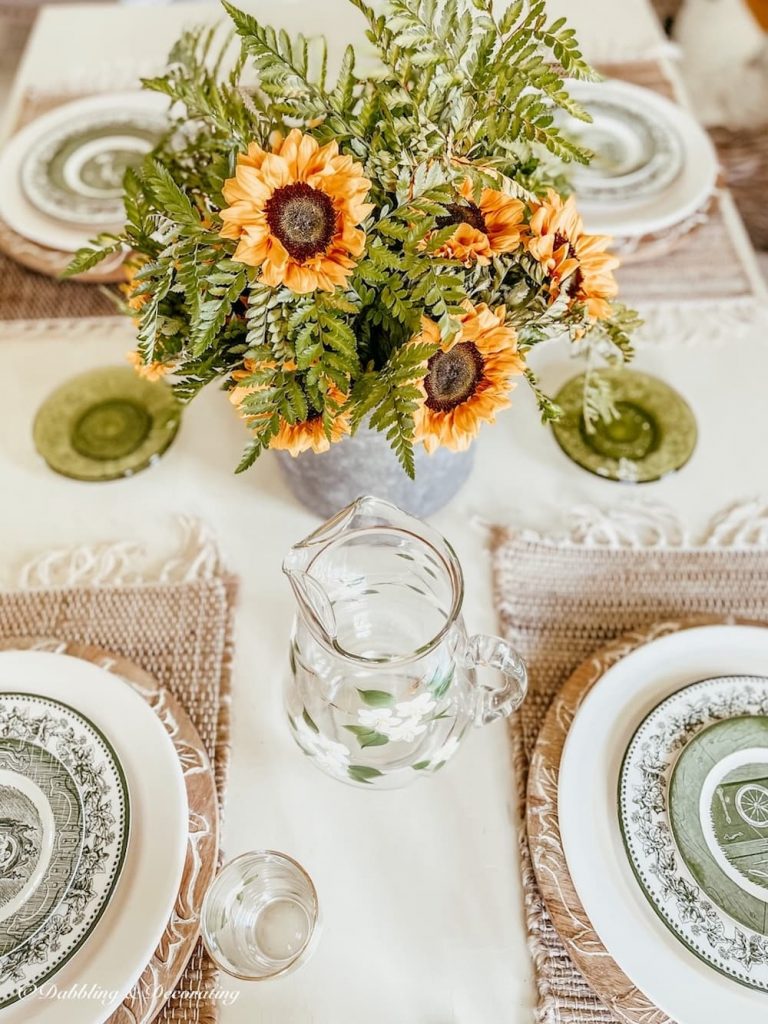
{"x":328,"y":753}
{"x":405,"y":721}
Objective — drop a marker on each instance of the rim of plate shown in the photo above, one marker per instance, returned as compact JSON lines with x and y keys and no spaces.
{"x":126,"y":831}
{"x":681,"y":985}
{"x":623,"y":802}
{"x":126,"y":937}
{"x":16,"y":210}
{"x":686,"y":194}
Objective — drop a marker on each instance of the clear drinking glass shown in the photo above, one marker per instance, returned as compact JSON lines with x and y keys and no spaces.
{"x":260,"y":918}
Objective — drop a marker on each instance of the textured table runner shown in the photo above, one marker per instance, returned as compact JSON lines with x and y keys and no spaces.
{"x":181,"y":633}
{"x":561,"y":600}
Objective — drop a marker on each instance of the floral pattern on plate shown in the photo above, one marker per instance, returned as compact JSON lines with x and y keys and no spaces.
{"x":89,"y":759}
{"x":685,"y":906}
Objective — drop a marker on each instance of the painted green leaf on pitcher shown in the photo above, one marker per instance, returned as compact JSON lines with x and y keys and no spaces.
{"x":367,"y":737}
{"x":376,"y":698}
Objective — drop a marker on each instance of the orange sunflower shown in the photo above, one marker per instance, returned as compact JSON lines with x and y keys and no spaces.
{"x":468,"y":379}
{"x":488,"y":228}
{"x":575,"y":262}
{"x":306,"y":435}
{"x":295,"y":213}
{"x":148,"y":371}
{"x":131,"y":284}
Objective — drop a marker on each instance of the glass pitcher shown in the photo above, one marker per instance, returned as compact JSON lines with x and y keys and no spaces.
{"x":383,"y":685}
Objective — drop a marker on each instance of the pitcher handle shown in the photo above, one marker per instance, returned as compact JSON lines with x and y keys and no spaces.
{"x":497,"y":701}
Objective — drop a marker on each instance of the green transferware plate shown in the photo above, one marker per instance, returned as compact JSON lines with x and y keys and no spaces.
{"x":718,"y":809}
{"x":39,"y":854}
{"x":106,"y":424}
{"x":75,"y":173}
{"x":654,"y":434}
{"x":36,"y":832}
{"x":693,"y":813}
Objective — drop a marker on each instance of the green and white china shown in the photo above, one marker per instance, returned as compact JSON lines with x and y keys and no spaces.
{"x":40,"y":839}
{"x":77,"y":710}
{"x":693,"y":810}
{"x":636,"y":152}
{"x":718,"y":809}
{"x":654,"y":167}
{"x":105,"y":424}
{"x":653,"y":435}
{"x":75,"y":173}
{"x":62,"y":846}
{"x":58,"y":172}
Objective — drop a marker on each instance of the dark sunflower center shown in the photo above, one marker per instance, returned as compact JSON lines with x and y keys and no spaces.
{"x":452,"y":377}
{"x":559,"y":241}
{"x":463,"y":213}
{"x":574,"y":283}
{"x":303,"y":218}
{"x":576,"y":279}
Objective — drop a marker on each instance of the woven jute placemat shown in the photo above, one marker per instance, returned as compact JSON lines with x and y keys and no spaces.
{"x":181,"y":634}
{"x":561,"y":601}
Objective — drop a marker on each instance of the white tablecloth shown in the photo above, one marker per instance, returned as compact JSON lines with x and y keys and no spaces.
{"x":420,"y":890}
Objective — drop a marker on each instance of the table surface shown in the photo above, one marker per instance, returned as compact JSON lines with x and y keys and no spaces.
{"x":423,"y":919}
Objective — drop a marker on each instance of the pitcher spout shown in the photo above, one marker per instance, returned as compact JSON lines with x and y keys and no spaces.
{"x":313,"y":602}
{"x":338,"y":570}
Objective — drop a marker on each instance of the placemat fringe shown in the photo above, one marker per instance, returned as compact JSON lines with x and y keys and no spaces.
{"x":634,"y":524}
{"x":123,"y":563}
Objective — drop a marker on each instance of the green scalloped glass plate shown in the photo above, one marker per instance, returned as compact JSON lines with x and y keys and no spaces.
{"x":654,"y":434}
{"x":106,"y":424}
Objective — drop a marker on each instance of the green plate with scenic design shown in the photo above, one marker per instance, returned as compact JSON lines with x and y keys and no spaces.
{"x":106,"y":424}
{"x":653,"y":435}
{"x":718,"y":809}
{"x":693,"y":813}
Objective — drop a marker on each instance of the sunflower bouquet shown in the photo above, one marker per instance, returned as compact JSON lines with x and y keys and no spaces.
{"x":382,"y":248}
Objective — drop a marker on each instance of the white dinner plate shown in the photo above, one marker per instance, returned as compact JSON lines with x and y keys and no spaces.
{"x":687,"y":187}
{"x":116,"y":952}
{"x":686,"y":989}
{"x":15,"y":207}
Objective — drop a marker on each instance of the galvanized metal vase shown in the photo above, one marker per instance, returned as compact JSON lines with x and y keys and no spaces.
{"x":365,"y":464}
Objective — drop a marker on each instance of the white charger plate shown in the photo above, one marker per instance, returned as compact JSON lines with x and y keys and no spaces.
{"x":122,"y":944}
{"x":16,"y":209}
{"x":686,"y":989}
{"x":695,"y":182}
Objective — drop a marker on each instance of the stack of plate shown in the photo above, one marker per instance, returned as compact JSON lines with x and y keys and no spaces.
{"x":94,"y":835}
{"x":61,"y":176}
{"x":654,"y":165}
{"x":662,"y":812}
